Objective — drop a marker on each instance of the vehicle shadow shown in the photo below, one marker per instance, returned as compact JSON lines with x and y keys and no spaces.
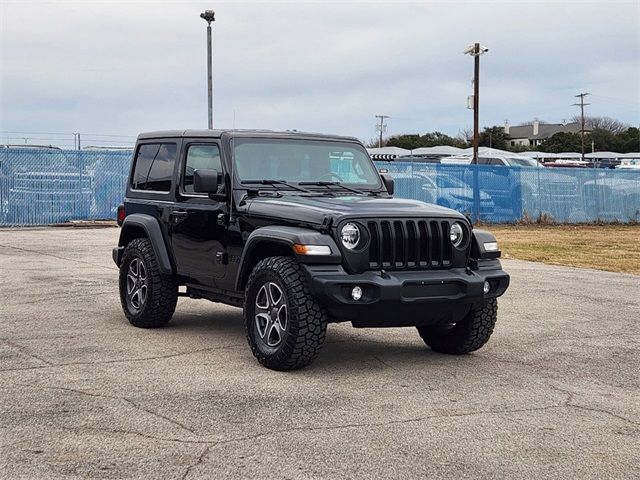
{"x":345,"y":346}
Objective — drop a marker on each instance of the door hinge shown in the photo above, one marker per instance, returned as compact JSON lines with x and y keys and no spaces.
{"x":222,"y":257}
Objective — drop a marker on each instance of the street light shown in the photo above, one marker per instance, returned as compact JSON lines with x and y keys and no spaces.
{"x":209,"y":16}
{"x":475,"y":51}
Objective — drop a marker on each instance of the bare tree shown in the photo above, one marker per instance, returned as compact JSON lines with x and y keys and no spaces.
{"x":602,"y":123}
{"x":466,"y":135}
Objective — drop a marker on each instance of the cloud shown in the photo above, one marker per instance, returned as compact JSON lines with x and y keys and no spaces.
{"x":126,"y":67}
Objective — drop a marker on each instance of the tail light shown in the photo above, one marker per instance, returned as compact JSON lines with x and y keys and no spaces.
{"x":121,"y":214}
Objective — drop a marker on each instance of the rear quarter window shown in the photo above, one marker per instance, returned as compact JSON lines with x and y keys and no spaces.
{"x":153,"y":167}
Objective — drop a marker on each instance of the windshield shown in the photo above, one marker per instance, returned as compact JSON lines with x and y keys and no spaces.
{"x":303,"y":161}
{"x":522,"y":162}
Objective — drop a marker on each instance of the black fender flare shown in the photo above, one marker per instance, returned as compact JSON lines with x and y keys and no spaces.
{"x":151,"y":227}
{"x":478,"y":239}
{"x":287,"y":236}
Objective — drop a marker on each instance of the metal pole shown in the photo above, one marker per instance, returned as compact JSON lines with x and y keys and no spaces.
{"x":476,"y":102}
{"x":382,"y":118}
{"x":209,"y":77}
{"x":209,"y":16}
{"x":582,"y":105}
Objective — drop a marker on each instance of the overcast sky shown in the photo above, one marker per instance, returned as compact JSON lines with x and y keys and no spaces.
{"x":124,"y":67}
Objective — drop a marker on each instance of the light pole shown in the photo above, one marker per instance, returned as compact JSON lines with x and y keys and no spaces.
{"x":209,"y":16}
{"x":475,"y":51}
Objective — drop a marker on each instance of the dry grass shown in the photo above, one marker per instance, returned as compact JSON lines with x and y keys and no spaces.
{"x":604,"y":247}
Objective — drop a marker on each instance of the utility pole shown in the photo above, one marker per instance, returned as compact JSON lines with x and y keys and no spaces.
{"x":582,"y":105}
{"x":476,"y":101}
{"x":209,"y":16}
{"x":475,"y":51}
{"x":382,"y":127}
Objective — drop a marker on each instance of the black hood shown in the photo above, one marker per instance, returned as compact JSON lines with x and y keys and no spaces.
{"x":313,"y":210}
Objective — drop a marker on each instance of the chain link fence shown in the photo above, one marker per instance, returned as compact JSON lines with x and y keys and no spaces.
{"x":46,"y":186}
{"x":41,"y":186}
{"x":500,"y":194}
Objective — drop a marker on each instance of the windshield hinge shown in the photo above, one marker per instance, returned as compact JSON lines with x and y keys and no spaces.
{"x":326,"y":224}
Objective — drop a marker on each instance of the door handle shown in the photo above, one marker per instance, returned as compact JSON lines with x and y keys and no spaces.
{"x":179,"y":213}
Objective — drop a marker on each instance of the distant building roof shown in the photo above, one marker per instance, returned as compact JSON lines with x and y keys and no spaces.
{"x":438,"y":150}
{"x":545,"y":130}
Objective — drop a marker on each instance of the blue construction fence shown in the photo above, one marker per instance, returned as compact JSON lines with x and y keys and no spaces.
{"x":47,"y":186}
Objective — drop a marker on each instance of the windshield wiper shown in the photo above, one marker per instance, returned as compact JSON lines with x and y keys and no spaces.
{"x":275,"y":183}
{"x":335,"y":184}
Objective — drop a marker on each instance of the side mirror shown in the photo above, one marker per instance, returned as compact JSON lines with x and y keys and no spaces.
{"x":205,"y":181}
{"x":387,"y":179}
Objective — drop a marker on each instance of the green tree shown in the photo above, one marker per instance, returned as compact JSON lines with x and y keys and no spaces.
{"x":562,"y":142}
{"x":429,"y":139}
{"x":494,"y":137}
{"x":630,"y":140}
{"x":405,"y":141}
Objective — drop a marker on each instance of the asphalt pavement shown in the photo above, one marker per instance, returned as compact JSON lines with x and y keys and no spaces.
{"x":554,"y":394}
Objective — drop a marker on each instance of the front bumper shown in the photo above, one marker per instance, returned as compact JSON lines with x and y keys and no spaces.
{"x":405,"y":298}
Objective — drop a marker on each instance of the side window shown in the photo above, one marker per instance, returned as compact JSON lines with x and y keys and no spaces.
{"x":154,"y":167}
{"x":484,"y":161}
{"x":496,"y":161}
{"x":200,"y":157}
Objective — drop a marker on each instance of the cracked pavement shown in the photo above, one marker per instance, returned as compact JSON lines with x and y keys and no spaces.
{"x":554,"y":394}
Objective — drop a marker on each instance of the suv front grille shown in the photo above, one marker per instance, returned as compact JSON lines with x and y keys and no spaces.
{"x":405,"y":244}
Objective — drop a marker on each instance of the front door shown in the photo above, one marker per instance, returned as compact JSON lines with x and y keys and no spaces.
{"x":198,"y":231}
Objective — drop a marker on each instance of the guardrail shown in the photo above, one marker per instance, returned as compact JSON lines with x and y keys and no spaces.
{"x":44,"y":186}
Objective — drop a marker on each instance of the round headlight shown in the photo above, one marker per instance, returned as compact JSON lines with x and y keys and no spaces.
{"x":350,"y":236}
{"x":456,"y":234}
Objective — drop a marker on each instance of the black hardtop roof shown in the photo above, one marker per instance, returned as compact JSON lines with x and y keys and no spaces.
{"x":242,"y":133}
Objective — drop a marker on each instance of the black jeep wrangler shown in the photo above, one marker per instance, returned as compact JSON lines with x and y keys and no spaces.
{"x":299,"y":230}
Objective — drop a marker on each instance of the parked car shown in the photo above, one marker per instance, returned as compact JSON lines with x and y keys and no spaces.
{"x":41,"y":184}
{"x":299,"y":230}
{"x":38,"y":198}
{"x":610,"y":197}
{"x":632,"y":164}
{"x":605,"y":163}
{"x":442,"y":189}
{"x":566,"y":164}
{"x":525,"y":188}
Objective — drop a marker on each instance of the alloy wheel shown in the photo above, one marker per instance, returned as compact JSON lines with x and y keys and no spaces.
{"x":271,"y":314}
{"x":137,"y":283}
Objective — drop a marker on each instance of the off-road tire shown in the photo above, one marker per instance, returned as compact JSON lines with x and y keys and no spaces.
{"x":468,"y":335}
{"x":162,"y":290}
{"x":306,"y":318}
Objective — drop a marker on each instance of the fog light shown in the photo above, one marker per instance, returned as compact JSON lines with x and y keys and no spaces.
{"x":356,"y":293}
{"x":486,"y":287}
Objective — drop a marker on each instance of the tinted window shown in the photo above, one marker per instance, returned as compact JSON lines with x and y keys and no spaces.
{"x":496,"y":161}
{"x":154,"y":167}
{"x":522,"y":162}
{"x":304,"y":161}
{"x":200,"y":157}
